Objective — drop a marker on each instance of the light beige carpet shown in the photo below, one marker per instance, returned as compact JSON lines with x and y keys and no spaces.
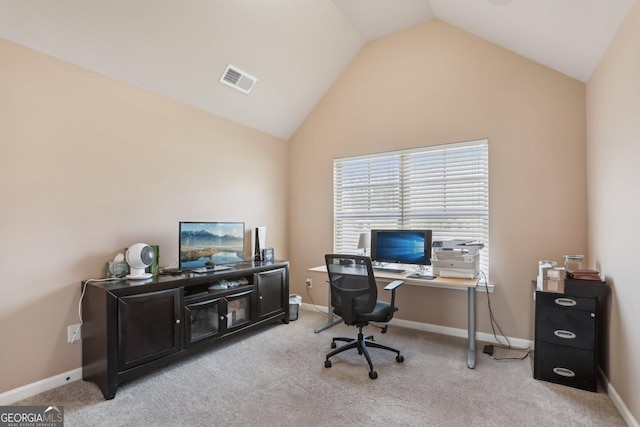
{"x":276,"y":377}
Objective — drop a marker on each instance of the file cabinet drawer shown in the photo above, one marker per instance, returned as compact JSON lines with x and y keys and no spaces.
{"x":573,"y":328}
{"x":573,"y":367}
{"x":562,"y":301}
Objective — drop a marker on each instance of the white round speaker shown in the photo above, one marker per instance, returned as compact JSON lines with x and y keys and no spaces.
{"x":139,"y":256}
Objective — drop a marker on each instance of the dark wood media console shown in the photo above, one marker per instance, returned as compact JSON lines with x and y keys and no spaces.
{"x":132,"y":327}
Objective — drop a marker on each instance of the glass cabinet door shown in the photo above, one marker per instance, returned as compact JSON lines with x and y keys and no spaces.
{"x":238,"y":309}
{"x":203,"y":320}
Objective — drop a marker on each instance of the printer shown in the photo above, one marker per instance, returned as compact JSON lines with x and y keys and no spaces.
{"x":456,"y":258}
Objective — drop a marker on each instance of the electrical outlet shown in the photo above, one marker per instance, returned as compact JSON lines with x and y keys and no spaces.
{"x":309,"y":283}
{"x":74,"y":333}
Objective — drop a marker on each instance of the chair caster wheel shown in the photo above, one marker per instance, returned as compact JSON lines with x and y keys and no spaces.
{"x":333,"y":345}
{"x":373,"y":375}
{"x":327,"y":363}
{"x":399,"y":358}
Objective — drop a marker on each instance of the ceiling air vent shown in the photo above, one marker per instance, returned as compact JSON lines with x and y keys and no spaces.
{"x":236,"y":78}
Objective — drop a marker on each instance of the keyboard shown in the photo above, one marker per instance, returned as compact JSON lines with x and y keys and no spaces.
{"x":421,"y":276}
{"x":389,"y":270}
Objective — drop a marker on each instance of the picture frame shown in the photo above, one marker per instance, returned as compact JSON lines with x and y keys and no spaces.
{"x":268,"y":255}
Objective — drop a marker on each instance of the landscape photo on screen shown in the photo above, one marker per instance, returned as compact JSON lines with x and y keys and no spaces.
{"x":205,"y":244}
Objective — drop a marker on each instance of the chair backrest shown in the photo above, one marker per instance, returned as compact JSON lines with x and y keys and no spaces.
{"x":353,"y":285}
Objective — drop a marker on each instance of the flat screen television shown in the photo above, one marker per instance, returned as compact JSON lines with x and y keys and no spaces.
{"x":401,"y":246}
{"x":207,"y":244}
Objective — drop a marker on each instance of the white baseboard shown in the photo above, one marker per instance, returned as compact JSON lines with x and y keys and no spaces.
{"x":443,"y":330}
{"x":627,"y":416}
{"x":12,"y":396}
{"x":462,"y":333}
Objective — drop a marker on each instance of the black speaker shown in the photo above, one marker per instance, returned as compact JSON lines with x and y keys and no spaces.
{"x":259,"y":243}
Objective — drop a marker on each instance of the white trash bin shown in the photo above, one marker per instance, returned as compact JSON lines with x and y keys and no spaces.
{"x":294,"y":305}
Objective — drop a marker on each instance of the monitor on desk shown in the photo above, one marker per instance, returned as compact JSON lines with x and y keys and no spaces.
{"x":401,"y":246}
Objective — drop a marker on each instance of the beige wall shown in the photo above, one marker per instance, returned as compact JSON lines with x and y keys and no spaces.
{"x":435,"y":84}
{"x":613,"y":124}
{"x":88,"y":166}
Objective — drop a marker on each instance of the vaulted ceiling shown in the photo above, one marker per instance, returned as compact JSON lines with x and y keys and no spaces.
{"x":295,"y":48}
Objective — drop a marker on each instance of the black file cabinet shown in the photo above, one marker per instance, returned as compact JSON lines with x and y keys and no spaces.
{"x":567,"y":330}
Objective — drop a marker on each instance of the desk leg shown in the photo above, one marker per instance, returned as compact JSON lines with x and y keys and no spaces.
{"x":471,"y":327}
{"x":330,"y":317}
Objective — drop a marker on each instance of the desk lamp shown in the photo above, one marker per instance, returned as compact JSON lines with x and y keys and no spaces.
{"x":364,"y":242}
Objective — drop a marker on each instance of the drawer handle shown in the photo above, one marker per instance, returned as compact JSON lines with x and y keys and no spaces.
{"x":565,"y":302}
{"x":564,"y":372}
{"x":561,"y":333}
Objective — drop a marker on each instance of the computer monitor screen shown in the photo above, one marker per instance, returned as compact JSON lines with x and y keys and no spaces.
{"x":206,"y":244}
{"x":401,"y":246}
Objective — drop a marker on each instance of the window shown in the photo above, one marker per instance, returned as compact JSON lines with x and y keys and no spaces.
{"x":443,"y":188}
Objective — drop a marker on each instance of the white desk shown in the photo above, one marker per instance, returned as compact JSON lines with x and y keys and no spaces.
{"x":439,"y":282}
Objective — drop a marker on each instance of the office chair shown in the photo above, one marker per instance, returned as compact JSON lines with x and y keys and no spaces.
{"x":354,"y":297}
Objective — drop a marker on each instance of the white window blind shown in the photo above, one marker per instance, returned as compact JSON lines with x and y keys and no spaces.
{"x":442,"y":188}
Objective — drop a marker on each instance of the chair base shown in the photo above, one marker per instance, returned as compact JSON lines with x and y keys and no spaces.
{"x":361,"y":343}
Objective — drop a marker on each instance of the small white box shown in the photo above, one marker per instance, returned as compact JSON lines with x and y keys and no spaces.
{"x":544,"y":267}
{"x":555,"y":273}
{"x":550,"y":285}
{"x":555,"y":286}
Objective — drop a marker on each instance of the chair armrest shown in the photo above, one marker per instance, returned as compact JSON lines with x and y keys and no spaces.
{"x":393,"y":285}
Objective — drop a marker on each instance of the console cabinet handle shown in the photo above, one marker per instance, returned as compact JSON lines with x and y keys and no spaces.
{"x":178,"y":321}
{"x":561,"y":333}
{"x":565,"y":302}
{"x":564,"y":372}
